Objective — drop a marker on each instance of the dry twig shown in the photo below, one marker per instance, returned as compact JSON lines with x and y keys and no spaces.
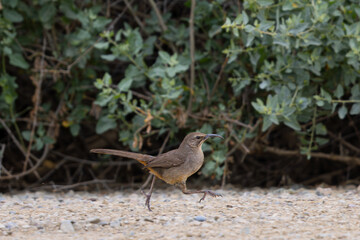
{"x":332,"y":157}
{"x":192,"y":55}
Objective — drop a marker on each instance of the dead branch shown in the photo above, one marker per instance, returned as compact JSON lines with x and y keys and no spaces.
{"x":192,"y":55}
{"x":332,"y":157}
{"x":79,"y":184}
{"x":38,"y":85}
{"x":219,"y":77}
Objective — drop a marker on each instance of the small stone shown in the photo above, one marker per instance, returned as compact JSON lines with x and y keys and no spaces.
{"x":115,"y":223}
{"x":148,"y":220}
{"x":94,"y":220}
{"x":10,"y":225}
{"x":103,"y":223}
{"x":323,"y":191}
{"x":245,"y":230}
{"x":200,"y":218}
{"x":66,"y":226}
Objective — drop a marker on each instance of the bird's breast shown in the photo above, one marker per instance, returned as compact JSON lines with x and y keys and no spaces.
{"x":194,"y":162}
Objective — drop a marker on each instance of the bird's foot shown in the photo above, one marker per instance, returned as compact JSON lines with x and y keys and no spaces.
{"x":147,"y":202}
{"x":211,"y":193}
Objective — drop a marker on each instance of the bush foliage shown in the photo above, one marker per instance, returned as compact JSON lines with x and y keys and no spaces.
{"x":257,"y":70}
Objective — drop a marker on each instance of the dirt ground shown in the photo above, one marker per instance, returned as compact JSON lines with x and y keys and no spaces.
{"x":322,"y":213}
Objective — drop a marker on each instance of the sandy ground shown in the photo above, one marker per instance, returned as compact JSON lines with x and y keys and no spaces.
{"x":321,"y":213}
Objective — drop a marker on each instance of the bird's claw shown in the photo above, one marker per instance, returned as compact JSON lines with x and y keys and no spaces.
{"x":213,"y":194}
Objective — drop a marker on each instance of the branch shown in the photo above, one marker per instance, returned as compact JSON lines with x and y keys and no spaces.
{"x":219,"y":77}
{"x":2,"y":150}
{"x":332,"y":157}
{"x":137,"y":20}
{"x":158,"y":15}
{"x":37,"y":102}
{"x":95,"y":181}
{"x":192,"y":55}
{"x":344,"y":142}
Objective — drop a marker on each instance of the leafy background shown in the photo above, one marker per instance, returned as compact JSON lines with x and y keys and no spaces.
{"x":278,"y":79}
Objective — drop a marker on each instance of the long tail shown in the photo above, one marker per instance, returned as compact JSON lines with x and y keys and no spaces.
{"x":142,"y":158}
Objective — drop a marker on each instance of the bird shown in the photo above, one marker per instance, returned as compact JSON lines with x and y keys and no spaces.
{"x":173,"y":167}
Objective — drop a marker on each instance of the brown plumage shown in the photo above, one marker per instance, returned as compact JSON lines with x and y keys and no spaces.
{"x":173,"y":167}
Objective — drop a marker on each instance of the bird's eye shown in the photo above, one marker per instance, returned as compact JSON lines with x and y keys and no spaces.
{"x":198,"y":137}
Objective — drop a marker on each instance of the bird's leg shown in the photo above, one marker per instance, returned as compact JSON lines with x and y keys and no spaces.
{"x":146,"y":183}
{"x":186,"y":191}
{"x":148,"y":195}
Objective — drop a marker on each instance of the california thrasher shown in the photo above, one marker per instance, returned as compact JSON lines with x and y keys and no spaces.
{"x":173,"y":167}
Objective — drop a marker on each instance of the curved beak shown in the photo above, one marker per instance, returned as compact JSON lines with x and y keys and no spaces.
{"x":212,"y":135}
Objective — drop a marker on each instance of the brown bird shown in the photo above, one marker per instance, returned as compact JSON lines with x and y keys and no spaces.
{"x":173,"y":167}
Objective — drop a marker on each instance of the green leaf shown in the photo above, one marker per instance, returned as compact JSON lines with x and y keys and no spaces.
{"x":355,"y":90}
{"x":108,"y":57}
{"x":219,"y":156}
{"x":265,"y":25}
{"x":99,"y":83}
{"x":320,"y":129}
{"x":339,"y":92}
{"x":321,"y":141}
{"x":282,"y":41}
{"x":355,"y":109}
{"x":105,"y":123}
{"x":103,"y":99}
{"x":172,"y":71}
{"x":11,"y":3}
{"x":12,"y":15}
{"x":292,"y":123}
{"x":17,"y":60}
{"x":48,"y":140}
{"x":274,"y":119}
{"x":165,"y":57}
{"x":206,"y":128}
{"x":325,"y":94}
{"x":266,"y":123}
{"x":101,"y":45}
{"x":299,"y":28}
{"x":47,"y":12}
{"x":342,"y":112}
{"x":209,"y":168}
{"x":265,"y":3}
{"x":125,"y":84}
{"x":245,"y":17}
{"x":107,"y":79}
{"x":39,"y":144}
{"x":157,"y":72}
{"x":68,"y":10}
{"x":26,"y":134}
{"x":258,"y":105}
{"x":75,"y":129}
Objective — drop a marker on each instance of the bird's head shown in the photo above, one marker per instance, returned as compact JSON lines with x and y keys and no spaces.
{"x":196,"y":139}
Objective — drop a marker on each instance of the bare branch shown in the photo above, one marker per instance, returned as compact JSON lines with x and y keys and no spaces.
{"x":192,"y":55}
{"x":332,"y":157}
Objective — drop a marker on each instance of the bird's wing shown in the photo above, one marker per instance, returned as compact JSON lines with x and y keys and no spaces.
{"x":166,"y":160}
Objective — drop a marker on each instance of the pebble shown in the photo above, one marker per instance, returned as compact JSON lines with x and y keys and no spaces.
{"x":323,"y":191}
{"x":67,"y":227}
{"x":200,"y":218}
{"x":94,"y":220}
{"x":10,"y":225}
{"x":115,"y":223}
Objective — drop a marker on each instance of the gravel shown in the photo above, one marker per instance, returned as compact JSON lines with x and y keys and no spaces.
{"x":67,"y":227}
{"x":278,"y":213}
